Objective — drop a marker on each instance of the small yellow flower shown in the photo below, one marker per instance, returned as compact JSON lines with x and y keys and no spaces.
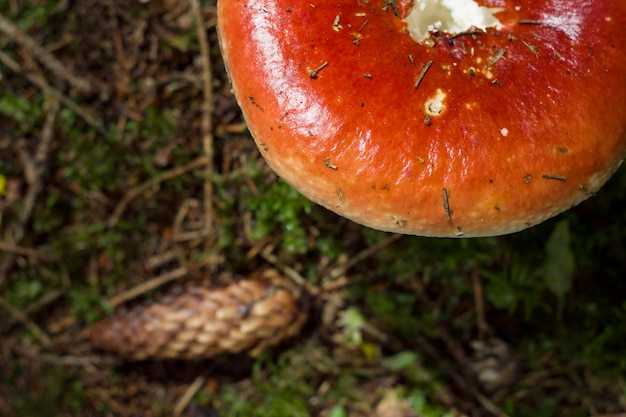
{"x":3,"y":184}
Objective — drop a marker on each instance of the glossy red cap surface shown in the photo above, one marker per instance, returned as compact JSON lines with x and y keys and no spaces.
{"x":473,"y":134}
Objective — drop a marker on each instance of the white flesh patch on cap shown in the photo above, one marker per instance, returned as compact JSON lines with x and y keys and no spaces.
{"x":435,"y":106}
{"x":451,"y":16}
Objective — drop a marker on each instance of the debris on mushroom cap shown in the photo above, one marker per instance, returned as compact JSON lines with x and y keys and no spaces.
{"x":475,"y":133}
{"x":200,"y":322}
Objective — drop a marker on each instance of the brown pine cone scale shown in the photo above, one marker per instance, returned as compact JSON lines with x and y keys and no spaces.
{"x":248,"y":315}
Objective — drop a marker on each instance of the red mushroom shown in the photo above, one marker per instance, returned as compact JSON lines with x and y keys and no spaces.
{"x":467,"y":121}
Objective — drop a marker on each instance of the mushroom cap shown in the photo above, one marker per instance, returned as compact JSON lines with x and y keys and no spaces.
{"x":479,"y":133}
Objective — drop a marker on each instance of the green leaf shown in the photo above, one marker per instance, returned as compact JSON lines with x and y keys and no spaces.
{"x":337,"y":411}
{"x":353,"y":323}
{"x":400,"y":361}
{"x":560,"y":264}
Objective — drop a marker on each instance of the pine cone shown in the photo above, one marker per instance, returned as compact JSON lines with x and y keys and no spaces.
{"x":248,"y":315}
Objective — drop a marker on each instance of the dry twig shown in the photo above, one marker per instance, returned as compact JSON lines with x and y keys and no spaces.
{"x":80,"y":111}
{"x":456,"y":351}
{"x":46,"y":58}
{"x":22,"y":318}
{"x":294,"y":275}
{"x":24,"y":251}
{"x":152,"y":182}
{"x":147,"y":286}
{"x":33,"y":170}
{"x":364,"y":254}
{"x":479,"y":301}
{"x":460,"y":380}
{"x":184,"y":401}
{"x":207,"y":112}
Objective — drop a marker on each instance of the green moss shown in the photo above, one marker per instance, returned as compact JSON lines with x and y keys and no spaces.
{"x":281,"y":389}
{"x":54,"y":392}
